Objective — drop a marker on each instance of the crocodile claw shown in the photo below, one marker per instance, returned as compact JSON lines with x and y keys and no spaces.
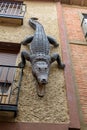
{"x":21,"y":65}
{"x":62,"y":66}
{"x":56,"y":45}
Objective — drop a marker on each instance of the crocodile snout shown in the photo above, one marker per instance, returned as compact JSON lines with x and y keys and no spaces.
{"x":43,"y":79}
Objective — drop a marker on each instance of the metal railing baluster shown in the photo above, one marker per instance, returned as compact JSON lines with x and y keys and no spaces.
{"x":19,"y":85}
{"x":12,"y":8}
{"x":1,"y":7}
{"x":8,"y":9}
{"x":16,"y":9}
{"x":3,"y":10}
{"x":11,"y":88}
{"x":1,"y":70}
{"x":4,"y":85}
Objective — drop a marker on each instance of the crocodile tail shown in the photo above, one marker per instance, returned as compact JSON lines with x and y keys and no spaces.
{"x":32,"y":22}
{"x":33,"y":18}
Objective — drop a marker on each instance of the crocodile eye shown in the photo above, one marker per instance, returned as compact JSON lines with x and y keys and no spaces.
{"x":39,"y":68}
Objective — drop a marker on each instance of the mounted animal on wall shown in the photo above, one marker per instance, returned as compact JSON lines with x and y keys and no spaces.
{"x":39,"y":55}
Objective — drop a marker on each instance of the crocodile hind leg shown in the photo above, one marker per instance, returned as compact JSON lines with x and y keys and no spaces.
{"x":52,"y":41}
{"x":56,"y":57}
{"x":27,"y":40}
{"x":24,"y":56}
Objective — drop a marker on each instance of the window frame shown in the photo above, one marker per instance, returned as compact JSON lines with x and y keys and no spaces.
{"x":83,"y":24}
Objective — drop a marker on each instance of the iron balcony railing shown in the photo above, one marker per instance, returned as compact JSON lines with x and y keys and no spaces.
{"x":9,"y":91}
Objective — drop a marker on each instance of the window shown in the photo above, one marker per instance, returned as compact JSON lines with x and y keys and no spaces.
{"x":84,"y":25}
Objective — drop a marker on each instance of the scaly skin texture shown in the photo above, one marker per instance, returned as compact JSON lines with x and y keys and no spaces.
{"x":39,"y":55}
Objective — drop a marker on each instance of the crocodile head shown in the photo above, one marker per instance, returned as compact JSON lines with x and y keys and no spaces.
{"x":40,"y":70}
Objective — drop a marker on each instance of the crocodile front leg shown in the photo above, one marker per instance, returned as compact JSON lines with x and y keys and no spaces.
{"x":52,"y":41}
{"x":56,"y":57}
{"x":27,"y":40}
{"x":24,"y":56}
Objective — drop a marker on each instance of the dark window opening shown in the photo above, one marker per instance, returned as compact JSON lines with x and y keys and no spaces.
{"x":4,"y":88}
{"x":84,"y":24}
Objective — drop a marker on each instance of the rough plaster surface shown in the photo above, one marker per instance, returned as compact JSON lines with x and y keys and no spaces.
{"x":52,"y":108}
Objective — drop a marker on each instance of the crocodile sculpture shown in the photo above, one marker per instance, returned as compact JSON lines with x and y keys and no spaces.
{"x":39,"y":55}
